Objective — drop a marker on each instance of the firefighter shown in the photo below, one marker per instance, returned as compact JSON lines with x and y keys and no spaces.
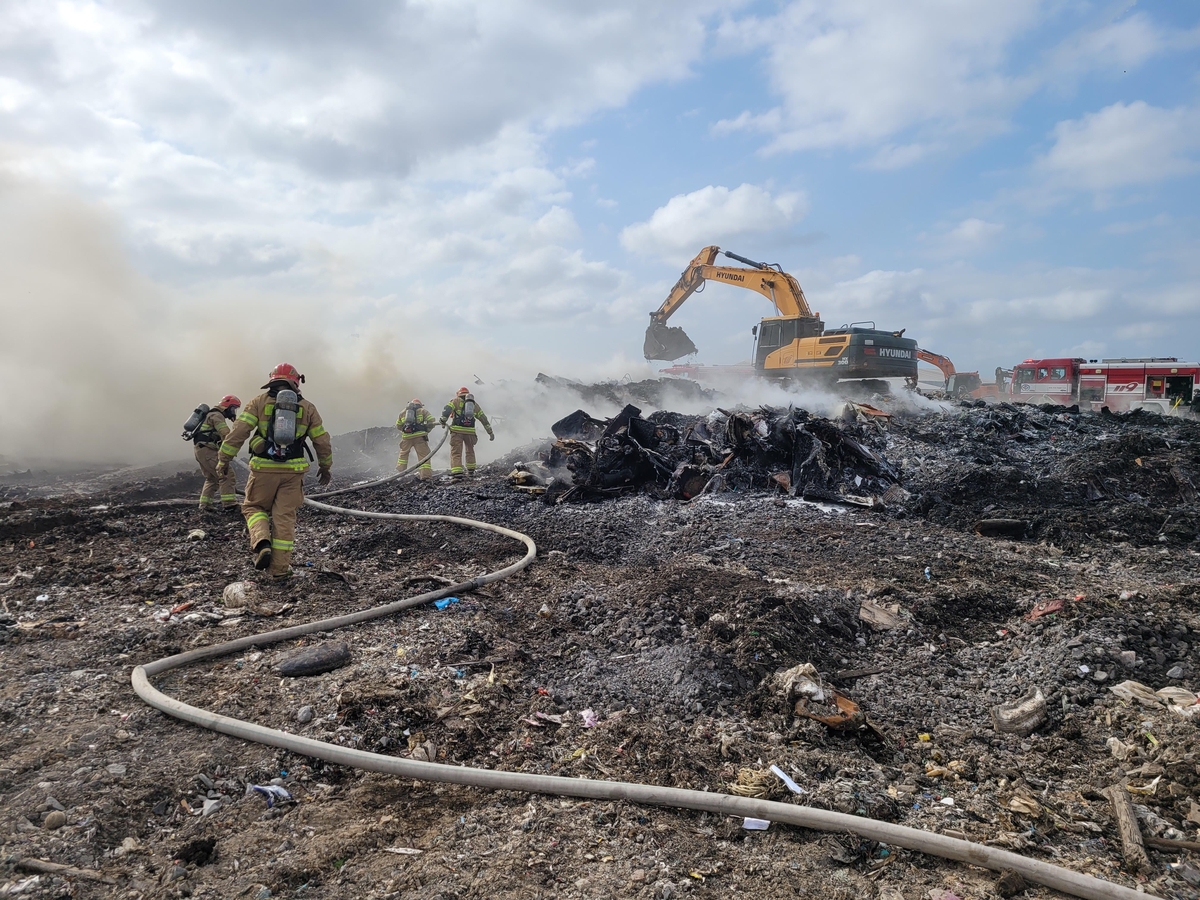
{"x":207,"y":438}
{"x":275,"y":490}
{"x":414,"y":423}
{"x":462,"y":412}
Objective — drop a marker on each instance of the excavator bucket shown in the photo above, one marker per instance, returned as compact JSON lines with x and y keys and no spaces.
{"x":664,"y":342}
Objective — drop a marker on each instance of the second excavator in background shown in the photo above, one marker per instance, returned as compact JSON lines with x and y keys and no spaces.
{"x":964,"y":384}
{"x":792,"y":345}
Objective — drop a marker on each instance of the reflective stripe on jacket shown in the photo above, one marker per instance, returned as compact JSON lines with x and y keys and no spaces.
{"x":255,"y":422}
{"x":455,"y":412}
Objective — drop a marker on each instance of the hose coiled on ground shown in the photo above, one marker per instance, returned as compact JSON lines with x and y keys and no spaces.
{"x":1033,"y":870}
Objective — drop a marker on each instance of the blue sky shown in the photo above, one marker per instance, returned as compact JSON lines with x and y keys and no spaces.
{"x":525,"y":180}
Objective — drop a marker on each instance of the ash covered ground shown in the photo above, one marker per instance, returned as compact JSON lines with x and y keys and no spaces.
{"x":668,"y":621}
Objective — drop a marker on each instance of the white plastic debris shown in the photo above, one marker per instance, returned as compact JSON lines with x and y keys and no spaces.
{"x":756,"y":824}
{"x":787,"y":780}
{"x":801,"y":681}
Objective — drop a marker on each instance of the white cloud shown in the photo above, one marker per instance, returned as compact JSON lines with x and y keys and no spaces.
{"x":1117,"y":46}
{"x":1122,"y":145}
{"x":967,"y":237}
{"x":1159,"y":221}
{"x":914,"y":79}
{"x":712,"y":215}
{"x":857,"y":73}
{"x":368,"y":148}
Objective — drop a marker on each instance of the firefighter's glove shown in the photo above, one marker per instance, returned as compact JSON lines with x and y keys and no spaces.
{"x":442,"y":422}
{"x":491,"y":435}
{"x":222,"y":468}
{"x":324,"y":476}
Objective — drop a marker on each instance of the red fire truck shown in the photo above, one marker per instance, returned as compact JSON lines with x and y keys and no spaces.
{"x":1159,"y":384}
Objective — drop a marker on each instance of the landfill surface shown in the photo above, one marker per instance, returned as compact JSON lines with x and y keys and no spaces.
{"x":683,"y":642}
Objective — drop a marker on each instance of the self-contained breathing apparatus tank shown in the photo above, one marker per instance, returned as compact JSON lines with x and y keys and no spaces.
{"x":283,"y":421}
{"x":469,"y":410}
{"x":410,"y":417}
{"x":192,"y":425}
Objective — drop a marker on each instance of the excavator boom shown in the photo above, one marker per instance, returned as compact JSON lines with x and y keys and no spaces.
{"x":936,"y":359}
{"x":793,"y":343}
{"x":784,"y":292}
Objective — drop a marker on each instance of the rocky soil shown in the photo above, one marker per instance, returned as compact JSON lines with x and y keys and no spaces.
{"x":643,"y":644}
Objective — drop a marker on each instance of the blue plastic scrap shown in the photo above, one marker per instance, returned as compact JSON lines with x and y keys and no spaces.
{"x":442,"y":604}
{"x":273,"y":792}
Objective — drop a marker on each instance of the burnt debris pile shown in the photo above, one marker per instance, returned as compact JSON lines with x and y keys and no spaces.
{"x":1070,"y":476}
{"x":670,"y":455}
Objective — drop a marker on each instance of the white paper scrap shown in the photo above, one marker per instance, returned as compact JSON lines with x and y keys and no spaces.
{"x":786,"y":779}
{"x":756,"y":824}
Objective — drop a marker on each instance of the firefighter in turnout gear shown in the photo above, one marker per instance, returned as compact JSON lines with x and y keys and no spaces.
{"x":278,"y":423}
{"x":414,"y":423}
{"x":207,"y":438}
{"x":462,"y":412}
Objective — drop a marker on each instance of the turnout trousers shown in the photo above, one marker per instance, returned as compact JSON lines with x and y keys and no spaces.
{"x":420,"y":446}
{"x":272,"y":499}
{"x":462,"y":442}
{"x":206,"y":456}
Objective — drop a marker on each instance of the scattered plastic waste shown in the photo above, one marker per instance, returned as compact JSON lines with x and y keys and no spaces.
{"x":756,"y":824}
{"x":273,"y":792}
{"x":590,"y":719}
{"x":787,"y":780}
{"x":1046,"y":607}
{"x":442,"y":604}
{"x":801,"y":682}
{"x":1021,"y":717}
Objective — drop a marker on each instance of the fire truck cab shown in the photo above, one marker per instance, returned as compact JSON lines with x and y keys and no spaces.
{"x":1160,"y":384}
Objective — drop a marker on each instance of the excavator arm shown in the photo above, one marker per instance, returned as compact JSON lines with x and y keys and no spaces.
{"x":936,"y":359}
{"x":778,"y":286}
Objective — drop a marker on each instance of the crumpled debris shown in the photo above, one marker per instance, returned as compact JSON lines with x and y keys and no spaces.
{"x":881,"y":618}
{"x":801,"y":682}
{"x":1022,"y":716}
{"x":273,"y":792}
{"x":1046,"y":607}
{"x":671,"y":455}
{"x":1179,"y":700}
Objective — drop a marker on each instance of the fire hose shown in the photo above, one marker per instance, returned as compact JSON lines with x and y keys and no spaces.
{"x":1057,"y":877}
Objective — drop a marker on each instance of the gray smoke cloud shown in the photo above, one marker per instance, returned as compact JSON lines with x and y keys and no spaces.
{"x":103,"y":365}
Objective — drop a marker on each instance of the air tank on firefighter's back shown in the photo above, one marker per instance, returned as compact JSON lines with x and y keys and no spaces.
{"x":193,"y":422}
{"x":286,"y":404}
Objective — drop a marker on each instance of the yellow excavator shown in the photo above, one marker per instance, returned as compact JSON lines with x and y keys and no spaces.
{"x":793,"y":344}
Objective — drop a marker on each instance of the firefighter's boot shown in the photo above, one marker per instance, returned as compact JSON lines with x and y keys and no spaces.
{"x":262,"y":555}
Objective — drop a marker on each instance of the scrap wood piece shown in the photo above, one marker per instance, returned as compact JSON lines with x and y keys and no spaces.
{"x":880,"y":617}
{"x":1166,"y":844}
{"x":1133,"y":849}
{"x":848,"y":674}
{"x":869,"y":410}
{"x":44,"y":867}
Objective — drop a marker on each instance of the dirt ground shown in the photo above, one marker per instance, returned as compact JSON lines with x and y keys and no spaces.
{"x":662,"y":622}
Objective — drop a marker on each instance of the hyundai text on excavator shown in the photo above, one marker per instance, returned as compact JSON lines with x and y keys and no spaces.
{"x":792,"y":345}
